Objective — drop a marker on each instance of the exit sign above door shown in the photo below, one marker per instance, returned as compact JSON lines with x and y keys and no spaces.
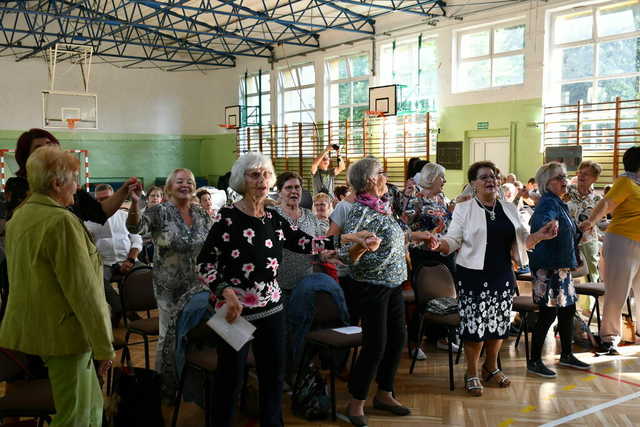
{"x":483,"y":125}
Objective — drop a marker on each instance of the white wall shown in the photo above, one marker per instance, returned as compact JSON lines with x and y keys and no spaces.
{"x":129,"y":101}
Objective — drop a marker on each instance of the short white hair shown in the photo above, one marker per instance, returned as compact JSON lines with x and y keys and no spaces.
{"x":250,"y":160}
{"x":546,"y":173}
{"x":429,"y":173}
{"x":360,"y":172}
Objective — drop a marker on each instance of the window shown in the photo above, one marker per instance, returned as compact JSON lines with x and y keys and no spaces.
{"x":595,"y":54}
{"x":347,"y":87}
{"x":490,"y":57}
{"x":297,"y":97}
{"x":255,"y":95}
{"x":413,"y":64}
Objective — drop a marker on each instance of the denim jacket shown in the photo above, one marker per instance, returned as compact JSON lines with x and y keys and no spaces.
{"x":559,"y":252}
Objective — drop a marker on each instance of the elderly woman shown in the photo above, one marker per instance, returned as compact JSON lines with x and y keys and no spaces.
{"x":322,"y":209}
{"x":295,"y":265}
{"x":487,"y":231}
{"x":582,"y":200}
{"x":375,"y":279}
{"x":57,"y":308}
{"x":551,"y":263}
{"x":240,"y":262}
{"x":621,"y":249}
{"x":178,"y":230}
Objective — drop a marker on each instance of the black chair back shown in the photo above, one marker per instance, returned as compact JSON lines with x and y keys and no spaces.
{"x":12,"y":364}
{"x":327,"y":313}
{"x":434,"y":282}
{"x":136,"y":290}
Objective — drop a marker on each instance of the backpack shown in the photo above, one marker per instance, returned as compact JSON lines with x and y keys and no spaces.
{"x":582,"y":334}
{"x":310,"y":399}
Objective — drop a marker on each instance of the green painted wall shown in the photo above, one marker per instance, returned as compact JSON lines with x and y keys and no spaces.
{"x":123,"y":155}
{"x":217,"y":154}
{"x":513,"y":119}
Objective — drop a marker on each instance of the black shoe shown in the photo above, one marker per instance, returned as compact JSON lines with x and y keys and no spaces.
{"x":356,"y":420}
{"x":608,"y":348}
{"x":570,"y":361}
{"x":536,"y":367}
{"x":394,"y":409}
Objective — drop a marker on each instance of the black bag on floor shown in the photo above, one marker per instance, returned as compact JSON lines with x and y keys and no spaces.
{"x":136,"y":398}
{"x":310,"y":399}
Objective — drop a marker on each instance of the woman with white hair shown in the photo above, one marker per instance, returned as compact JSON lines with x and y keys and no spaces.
{"x":240,"y":261}
{"x":178,"y":230}
{"x":551,"y":262}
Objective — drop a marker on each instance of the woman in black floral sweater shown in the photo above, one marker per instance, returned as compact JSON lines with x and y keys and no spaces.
{"x":240,"y":261}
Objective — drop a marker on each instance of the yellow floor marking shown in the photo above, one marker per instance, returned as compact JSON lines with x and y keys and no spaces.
{"x":589,"y":378}
{"x":568,"y":387}
{"x":506,"y":422}
{"x":527,"y":409}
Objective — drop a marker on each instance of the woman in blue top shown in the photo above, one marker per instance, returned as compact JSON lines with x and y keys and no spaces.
{"x":551,"y":262}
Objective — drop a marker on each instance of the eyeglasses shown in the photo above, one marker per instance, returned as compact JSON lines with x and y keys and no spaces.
{"x":256,"y":175}
{"x":560,"y":177}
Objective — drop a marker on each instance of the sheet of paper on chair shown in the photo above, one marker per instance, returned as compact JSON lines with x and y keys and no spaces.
{"x":349,"y":330}
{"x":236,"y":334}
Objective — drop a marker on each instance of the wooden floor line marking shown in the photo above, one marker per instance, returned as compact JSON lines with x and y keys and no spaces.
{"x":592,"y":410}
{"x":613,"y":378}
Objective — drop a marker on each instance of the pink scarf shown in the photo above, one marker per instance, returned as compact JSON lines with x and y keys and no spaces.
{"x":380,"y":205}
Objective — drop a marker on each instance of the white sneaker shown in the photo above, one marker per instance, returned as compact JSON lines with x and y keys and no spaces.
{"x":420,"y":356}
{"x":443,"y":345}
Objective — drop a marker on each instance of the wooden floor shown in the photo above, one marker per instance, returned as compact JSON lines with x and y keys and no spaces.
{"x":607,"y":395}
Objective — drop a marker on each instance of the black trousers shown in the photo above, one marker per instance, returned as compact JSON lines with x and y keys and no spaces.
{"x":565,"y":326}
{"x":269,"y":350}
{"x":383,"y":337}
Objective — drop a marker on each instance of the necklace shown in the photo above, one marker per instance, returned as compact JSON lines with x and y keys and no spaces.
{"x":492,"y":211}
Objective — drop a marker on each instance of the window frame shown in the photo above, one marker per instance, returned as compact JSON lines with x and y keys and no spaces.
{"x":328,"y":83}
{"x":282,"y":113}
{"x":261,"y":93}
{"x":554,"y":90}
{"x":383,"y":79}
{"x":491,"y":56}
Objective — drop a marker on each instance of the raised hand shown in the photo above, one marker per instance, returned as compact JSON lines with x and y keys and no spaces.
{"x":373,"y":243}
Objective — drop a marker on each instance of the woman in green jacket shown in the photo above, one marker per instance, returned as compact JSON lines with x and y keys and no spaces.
{"x":57,"y":308}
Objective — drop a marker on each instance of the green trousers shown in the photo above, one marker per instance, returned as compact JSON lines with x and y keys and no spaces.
{"x":591,"y":253}
{"x":76,"y":391}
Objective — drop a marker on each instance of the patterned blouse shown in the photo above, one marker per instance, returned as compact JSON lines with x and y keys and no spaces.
{"x":580,"y":208}
{"x":244,"y":252}
{"x":387,"y":265}
{"x":177,"y":246}
{"x":295,"y":265}
{"x":430,"y":215}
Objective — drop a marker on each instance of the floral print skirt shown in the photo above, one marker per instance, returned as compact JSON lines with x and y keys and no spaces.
{"x":553,"y":288}
{"x":485,"y":300}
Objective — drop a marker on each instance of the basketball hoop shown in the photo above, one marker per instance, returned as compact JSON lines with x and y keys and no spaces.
{"x":71,"y":123}
{"x":371,"y":113}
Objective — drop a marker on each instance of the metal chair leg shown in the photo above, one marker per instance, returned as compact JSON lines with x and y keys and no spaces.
{"x":414,"y":356}
{"x":460,"y":348}
{"x":174,"y":420}
{"x":526,"y":337}
{"x":628,"y":309}
{"x":147,"y":363}
{"x":597,"y":307}
{"x":451,"y":338}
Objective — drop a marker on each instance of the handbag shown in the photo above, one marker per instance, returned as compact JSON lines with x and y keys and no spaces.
{"x":136,"y":398}
{"x":310,"y":399}
{"x":442,"y":306}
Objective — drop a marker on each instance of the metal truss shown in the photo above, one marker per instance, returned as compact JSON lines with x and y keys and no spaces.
{"x":188,"y":34}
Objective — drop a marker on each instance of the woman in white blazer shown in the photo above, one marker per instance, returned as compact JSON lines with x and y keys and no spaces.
{"x":489,"y":234}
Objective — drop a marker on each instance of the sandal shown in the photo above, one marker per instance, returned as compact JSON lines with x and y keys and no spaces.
{"x":497,"y":377}
{"x":472,"y":385}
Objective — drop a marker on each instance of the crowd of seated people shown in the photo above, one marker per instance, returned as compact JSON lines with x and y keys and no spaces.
{"x":369,"y":236}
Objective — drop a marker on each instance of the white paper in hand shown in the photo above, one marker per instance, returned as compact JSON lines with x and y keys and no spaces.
{"x":236,"y":334}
